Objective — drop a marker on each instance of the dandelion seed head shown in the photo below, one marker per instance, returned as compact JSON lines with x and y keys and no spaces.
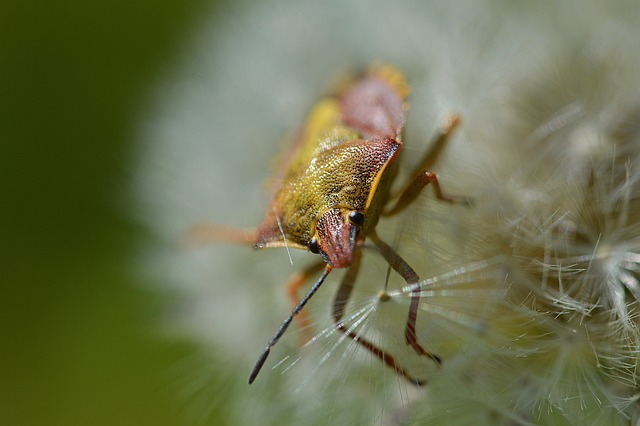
{"x":530,"y":295}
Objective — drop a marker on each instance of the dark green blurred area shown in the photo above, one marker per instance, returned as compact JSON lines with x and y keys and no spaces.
{"x":76,"y":340}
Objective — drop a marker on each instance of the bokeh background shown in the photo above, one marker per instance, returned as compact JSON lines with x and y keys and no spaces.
{"x":77,"y":343}
{"x":125,"y":123}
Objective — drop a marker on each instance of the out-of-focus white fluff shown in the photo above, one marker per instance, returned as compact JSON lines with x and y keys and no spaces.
{"x":530,"y":296}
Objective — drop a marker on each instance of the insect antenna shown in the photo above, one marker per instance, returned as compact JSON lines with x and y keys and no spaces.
{"x":274,"y":339}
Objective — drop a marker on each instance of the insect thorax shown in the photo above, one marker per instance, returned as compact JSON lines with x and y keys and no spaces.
{"x":344,"y":177}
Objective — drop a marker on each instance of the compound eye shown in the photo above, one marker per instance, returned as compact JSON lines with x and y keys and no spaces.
{"x":356,"y":218}
{"x":313,"y":246}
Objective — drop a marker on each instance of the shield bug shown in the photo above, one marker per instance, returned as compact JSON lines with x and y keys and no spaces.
{"x":332,"y":188}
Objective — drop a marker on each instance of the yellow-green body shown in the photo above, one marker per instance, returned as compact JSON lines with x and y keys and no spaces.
{"x":343,"y":161}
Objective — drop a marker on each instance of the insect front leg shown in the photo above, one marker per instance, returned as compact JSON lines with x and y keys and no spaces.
{"x":339,"y":307}
{"x":422,"y":177}
{"x":346,"y":286}
{"x":411,"y":277}
{"x":206,"y":233}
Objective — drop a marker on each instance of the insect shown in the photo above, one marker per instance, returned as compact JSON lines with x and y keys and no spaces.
{"x":332,"y":188}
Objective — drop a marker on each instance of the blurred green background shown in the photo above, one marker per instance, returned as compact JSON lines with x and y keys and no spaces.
{"x":77,"y":346}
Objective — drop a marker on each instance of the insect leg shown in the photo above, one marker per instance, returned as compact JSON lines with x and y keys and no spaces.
{"x":205,"y":233}
{"x":411,"y":277}
{"x":287,"y":322}
{"x":346,"y":286}
{"x":339,"y":305}
{"x":438,"y":142}
{"x":298,"y":280}
{"x":421,"y":177}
